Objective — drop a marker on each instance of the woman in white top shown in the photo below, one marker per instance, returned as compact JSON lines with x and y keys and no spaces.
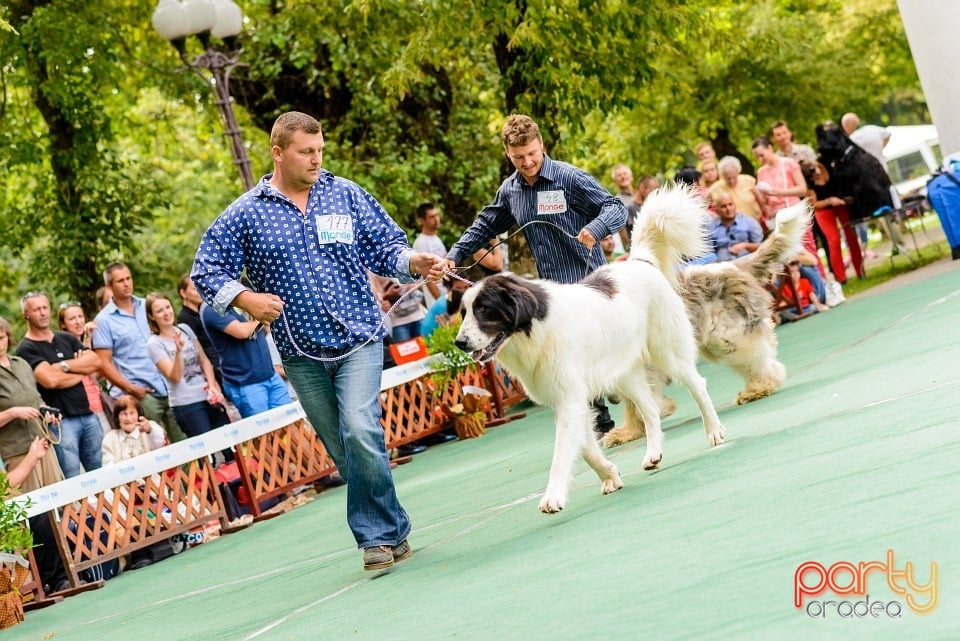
{"x":195,"y":396}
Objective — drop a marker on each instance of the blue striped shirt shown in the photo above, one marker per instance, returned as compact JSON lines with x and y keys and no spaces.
{"x":126,"y":336}
{"x":315,"y":262}
{"x":563,"y":195}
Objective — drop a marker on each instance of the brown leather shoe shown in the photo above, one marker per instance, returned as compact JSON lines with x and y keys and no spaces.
{"x":378,"y":557}
{"x":402,"y":551}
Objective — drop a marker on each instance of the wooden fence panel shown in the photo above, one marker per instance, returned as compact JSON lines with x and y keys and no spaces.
{"x":280,"y":461}
{"x":507,"y":387}
{"x":115,"y":522}
{"x":408,"y":412}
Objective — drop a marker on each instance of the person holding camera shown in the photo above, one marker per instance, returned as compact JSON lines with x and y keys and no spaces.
{"x":20,"y":419}
{"x":60,"y":363}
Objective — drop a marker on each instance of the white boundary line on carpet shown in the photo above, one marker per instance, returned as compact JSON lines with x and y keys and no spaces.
{"x":304,"y":608}
{"x":219,"y":586}
{"x":490,"y":513}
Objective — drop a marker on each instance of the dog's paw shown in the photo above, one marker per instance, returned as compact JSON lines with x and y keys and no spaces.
{"x":748,"y":396}
{"x":618,"y":436}
{"x":716,"y":437}
{"x":667,"y":406}
{"x":611,"y":485}
{"x":651,"y":460}
{"x":551,"y":503}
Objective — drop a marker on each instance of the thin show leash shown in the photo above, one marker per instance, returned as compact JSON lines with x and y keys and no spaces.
{"x":47,"y":433}
{"x":446,"y":272}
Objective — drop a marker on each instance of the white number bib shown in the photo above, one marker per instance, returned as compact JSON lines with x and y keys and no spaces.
{"x":551,"y":202}
{"x":334,"y":228}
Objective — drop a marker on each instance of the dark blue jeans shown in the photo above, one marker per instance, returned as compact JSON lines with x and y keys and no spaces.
{"x":406,"y":331}
{"x":199,"y":418}
{"x":342,"y":402}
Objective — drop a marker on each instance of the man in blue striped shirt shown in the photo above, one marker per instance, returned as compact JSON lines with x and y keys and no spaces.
{"x":578,"y":209}
{"x":306,"y":238}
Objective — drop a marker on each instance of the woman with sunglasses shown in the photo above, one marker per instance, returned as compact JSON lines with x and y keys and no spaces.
{"x":72,"y":320}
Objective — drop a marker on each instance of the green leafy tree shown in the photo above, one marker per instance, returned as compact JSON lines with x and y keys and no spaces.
{"x":103,"y":156}
{"x":110,"y":149}
{"x":745,"y":66}
{"x":329,"y":61}
{"x":555,"y":61}
{"x":73,"y":195}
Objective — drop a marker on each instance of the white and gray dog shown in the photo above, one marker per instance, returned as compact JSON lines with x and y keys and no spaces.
{"x":732,"y":316}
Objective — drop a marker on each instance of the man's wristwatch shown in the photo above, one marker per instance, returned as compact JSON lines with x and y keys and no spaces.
{"x":65,"y":366}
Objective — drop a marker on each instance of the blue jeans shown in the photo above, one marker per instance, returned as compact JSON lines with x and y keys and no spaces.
{"x":819,"y":286}
{"x":789,"y":315}
{"x":342,"y":401}
{"x":199,"y":418}
{"x":80,"y":442}
{"x":406,"y":331}
{"x":258,"y":397}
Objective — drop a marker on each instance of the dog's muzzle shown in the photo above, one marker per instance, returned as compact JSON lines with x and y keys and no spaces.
{"x":487,"y":354}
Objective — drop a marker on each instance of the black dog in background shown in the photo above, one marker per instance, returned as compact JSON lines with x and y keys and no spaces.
{"x":853,"y":172}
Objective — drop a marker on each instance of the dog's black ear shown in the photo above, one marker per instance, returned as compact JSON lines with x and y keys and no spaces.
{"x":528,"y":302}
{"x":523,"y":309}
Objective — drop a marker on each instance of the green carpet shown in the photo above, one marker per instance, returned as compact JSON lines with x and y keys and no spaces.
{"x":857,"y":454}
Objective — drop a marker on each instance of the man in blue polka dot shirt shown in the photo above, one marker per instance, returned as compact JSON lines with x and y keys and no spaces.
{"x":305,"y":238}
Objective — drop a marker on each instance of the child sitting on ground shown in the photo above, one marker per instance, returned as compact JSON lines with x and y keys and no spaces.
{"x":135,"y":435}
{"x":809,"y":302}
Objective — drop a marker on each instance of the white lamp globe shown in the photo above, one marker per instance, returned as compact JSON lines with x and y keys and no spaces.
{"x":229,"y":20}
{"x":171,"y":20}
{"x":202,"y":15}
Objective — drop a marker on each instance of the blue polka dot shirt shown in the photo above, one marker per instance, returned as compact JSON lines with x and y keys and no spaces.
{"x":314,"y":261}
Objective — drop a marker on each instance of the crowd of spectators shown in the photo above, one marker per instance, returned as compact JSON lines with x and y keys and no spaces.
{"x":134,"y":378}
{"x":744,"y":206}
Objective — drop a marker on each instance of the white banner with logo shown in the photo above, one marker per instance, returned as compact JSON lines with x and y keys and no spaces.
{"x":110,"y":476}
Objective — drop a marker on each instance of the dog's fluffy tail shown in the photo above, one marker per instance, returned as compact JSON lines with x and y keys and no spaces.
{"x":670,"y":227}
{"x":785,"y":242}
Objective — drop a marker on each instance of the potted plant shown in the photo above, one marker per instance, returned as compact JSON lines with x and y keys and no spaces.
{"x":469,"y":415}
{"x":15,"y":541}
{"x":452,"y":360}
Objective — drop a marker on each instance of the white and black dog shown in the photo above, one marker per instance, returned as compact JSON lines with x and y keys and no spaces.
{"x":568,"y":344}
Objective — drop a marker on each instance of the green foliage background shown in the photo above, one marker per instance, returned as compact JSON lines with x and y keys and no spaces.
{"x":111,"y":149}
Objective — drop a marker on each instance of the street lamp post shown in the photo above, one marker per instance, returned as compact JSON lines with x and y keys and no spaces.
{"x":175,"y":21}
